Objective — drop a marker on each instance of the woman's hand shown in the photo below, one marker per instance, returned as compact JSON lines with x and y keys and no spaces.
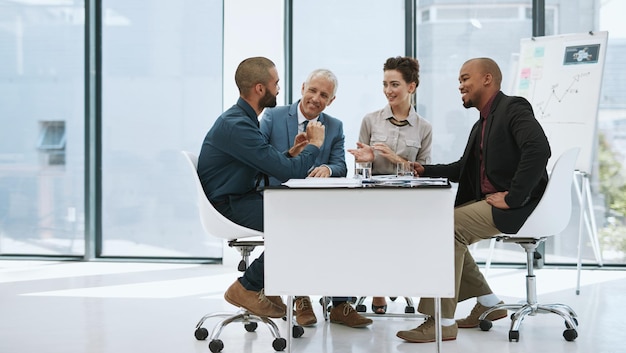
{"x":363,"y":152}
{"x":387,"y":152}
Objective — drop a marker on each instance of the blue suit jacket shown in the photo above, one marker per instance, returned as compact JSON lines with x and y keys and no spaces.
{"x":234,"y":152}
{"x":280,"y":126}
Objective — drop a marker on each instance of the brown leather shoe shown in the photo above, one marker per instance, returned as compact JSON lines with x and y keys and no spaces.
{"x":346,"y":315}
{"x":304,"y":312}
{"x":277,"y":301}
{"x":471,"y":320}
{"x":379,"y":309}
{"x":426,"y":332}
{"x":255,"y":302}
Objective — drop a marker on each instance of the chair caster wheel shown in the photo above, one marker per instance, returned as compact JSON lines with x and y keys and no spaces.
{"x":297,"y":331}
{"x":241,"y":267}
{"x":485,"y":325}
{"x":393,"y":299}
{"x":409,"y":310}
{"x":279,"y":344}
{"x":513,"y":336}
{"x":250,"y":326}
{"x":570,"y":334}
{"x":216,"y":346}
{"x":361,"y":308}
{"x":201,"y":333}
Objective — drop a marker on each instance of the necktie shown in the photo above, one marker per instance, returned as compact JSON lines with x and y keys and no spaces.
{"x":304,"y":124}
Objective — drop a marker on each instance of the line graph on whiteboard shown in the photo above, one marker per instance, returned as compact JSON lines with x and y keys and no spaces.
{"x":544,"y":102}
{"x":558,"y":87}
{"x":561,"y":77}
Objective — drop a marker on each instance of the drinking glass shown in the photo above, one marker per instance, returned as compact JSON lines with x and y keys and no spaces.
{"x":363,"y":170}
{"x":404,"y":169}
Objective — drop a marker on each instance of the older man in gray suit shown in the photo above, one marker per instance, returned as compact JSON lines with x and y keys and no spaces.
{"x":280,"y":125}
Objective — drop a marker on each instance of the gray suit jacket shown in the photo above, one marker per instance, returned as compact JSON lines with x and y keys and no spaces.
{"x":280,"y":126}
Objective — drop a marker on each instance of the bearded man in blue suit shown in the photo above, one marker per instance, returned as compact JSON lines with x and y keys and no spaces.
{"x":280,"y":126}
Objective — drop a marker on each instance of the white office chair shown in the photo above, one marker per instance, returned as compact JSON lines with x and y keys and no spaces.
{"x":549,"y":218}
{"x":244,"y":240}
{"x":584,"y":218}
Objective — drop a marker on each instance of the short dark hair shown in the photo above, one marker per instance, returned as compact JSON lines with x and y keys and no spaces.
{"x":407,"y":66}
{"x":252,"y":71}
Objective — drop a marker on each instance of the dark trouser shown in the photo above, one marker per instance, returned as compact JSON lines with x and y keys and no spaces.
{"x":252,"y":279}
{"x":339,"y":300}
{"x":336,"y":300}
{"x":247,"y":211}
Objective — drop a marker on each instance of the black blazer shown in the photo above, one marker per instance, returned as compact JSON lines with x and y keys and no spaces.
{"x":516,"y":152}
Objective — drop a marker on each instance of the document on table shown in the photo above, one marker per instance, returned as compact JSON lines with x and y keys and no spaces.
{"x":408,"y":181}
{"x":323,"y":183}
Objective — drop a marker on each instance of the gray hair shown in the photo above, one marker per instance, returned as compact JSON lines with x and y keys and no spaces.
{"x":324,"y":73}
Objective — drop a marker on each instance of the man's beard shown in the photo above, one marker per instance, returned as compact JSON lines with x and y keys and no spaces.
{"x":468,"y":104}
{"x":268,"y":100}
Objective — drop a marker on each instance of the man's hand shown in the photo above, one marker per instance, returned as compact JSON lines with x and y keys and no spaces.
{"x":418,"y":169}
{"x":315,"y":133}
{"x":298,"y":144}
{"x":320,"y":172}
{"x":363,"y":152}
{"x":497,"y":200}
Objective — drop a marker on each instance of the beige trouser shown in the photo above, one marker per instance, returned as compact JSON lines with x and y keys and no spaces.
{"x":472,"y":222}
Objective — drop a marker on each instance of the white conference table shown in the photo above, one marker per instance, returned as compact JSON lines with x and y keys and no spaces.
{"x":309,"y":231}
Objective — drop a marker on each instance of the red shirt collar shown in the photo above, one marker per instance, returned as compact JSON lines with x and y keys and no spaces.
{"x":484,"y":113}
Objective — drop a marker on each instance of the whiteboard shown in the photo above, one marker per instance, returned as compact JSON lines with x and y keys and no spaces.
{"x":561,"y":77}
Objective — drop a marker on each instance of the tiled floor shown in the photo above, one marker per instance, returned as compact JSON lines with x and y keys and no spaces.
{"x":99,"y":307}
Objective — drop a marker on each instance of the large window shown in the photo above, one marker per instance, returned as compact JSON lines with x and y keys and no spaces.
{"x":167,"y":73}
{"x":612,"y":137}
{"x":41,"y":138}
{"x":161,"y":90}
{"x":448,"y":34}
{"x":353,"y":40}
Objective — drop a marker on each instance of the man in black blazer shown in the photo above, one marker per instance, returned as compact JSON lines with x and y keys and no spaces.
{"x":502,"y":176}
